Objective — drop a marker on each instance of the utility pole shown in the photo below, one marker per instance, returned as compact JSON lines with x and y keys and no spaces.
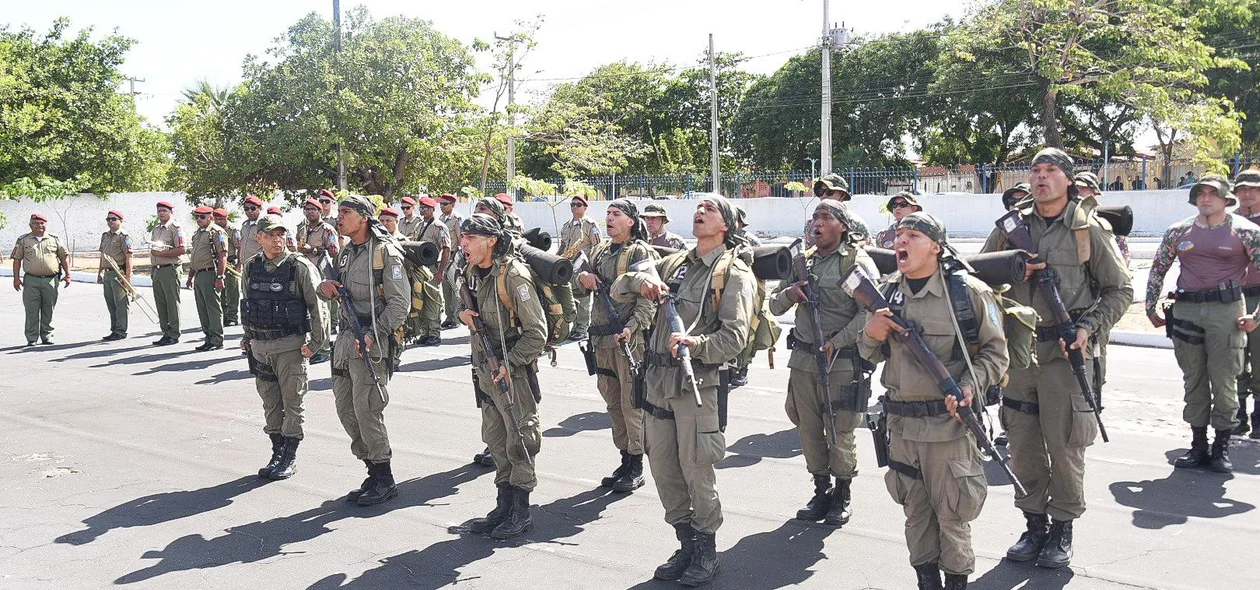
{"x":132,"y":82}
{"x":825,"y":156}
{"x":813,"y":163}
{"x":713,"y":107}
{"x":511,"y":113}
{"x":341,"y":158}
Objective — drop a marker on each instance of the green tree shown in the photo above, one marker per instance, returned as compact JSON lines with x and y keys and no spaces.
{"x":206,"y":159}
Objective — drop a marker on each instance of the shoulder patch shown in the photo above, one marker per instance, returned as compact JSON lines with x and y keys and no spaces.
{"x":1184,"y":246}
{"x":994,"y":314}
{"x":396,"y":272}
{"x":522,"y":293}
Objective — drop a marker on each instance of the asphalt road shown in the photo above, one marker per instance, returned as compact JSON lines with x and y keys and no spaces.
{"x":126,"y":465}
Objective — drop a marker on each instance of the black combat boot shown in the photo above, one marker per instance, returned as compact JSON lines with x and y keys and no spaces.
{"x":518,"y":520}
{"x":841,"y":499}
{"x":484,"y":458}
{"x":955,"y":582}
{"x":739,"y":377}
{"x":677,"y":563}
{"x":818,"y":506}
{"x":1220,"y":453}
{"x":288,"y":460}
{"x":1243,"y":427}
{"x":632,"y":479}
{"x":704,"y":561}
{"x":382,"y":487}
{"x":928,"y":576}
{"x":1058,"y":550}
{"x":1255,"y":419}
{"x":277,"y":449}
{"x":1198,"y":453}
{"x":502,"y":507}
{"x":1033,"y":540}
{"x":611,"y":480}
{"x":354,"y":494}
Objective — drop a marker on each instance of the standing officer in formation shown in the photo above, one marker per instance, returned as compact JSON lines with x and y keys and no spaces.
{"x":410,"y":222}
{"x":626,"y":246}
{"x":231,"y":295}
{"x":432,"y":230}
{"x":1209,"y":317}
{"x":249,"y":245}
{"x":283,"y":322}
{"x":208,"y":263}
{"x":512,"y":222}
{"x":371,"y":268}
{"x":45,"y":260}
{"x":115,"y":245}
{"x":656,"y":219}
{"x":328,"y":213}
{"x":389,"y":218}
{"x":318,"y":240}
{"x":453,"y":220}
{"x":1048,"y":421}
{"x":579,"y":236}
{"x":834,"y":187}
{"x":1247,"y":190}
{"x":935,"y":472}
{"x":166,"y":256}
{"x":713,"y":286}
{"x":833,"y":254}
{"x":900,"y":205}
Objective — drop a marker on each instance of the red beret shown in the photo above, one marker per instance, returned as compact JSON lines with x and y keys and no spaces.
{"x":327,"y":193}
{"x":408,"y":201}
{"x":579,"y":198}
{"x":38,"y":217}
{"x":166,"y":204}
{"x":115,"y":213}
{"x":252,"y":200}
{"x":390,"y":211}
{"x":447,"y":198}
{"x":503,"y":198}
{"x":274,"y":210}
{"x":203,"y":210}
{"x":314,"y":203}
{"x":220,"y":212}
{"x":428,"y":202}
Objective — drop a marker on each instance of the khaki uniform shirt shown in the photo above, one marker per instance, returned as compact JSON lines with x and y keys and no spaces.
{"x":409,"y":226}
{"x":207,"y":244}
{"x":907,"y":381}
{"x":842,"y":318}
{"x":322,"y":237}
{"x":233,"y":242}
{"x":435,"y":232}
{"x":306,"y":285}
{"x":116,"y":246}
{"x":452,"y":222}
{"x":39,"y":256}
{"x":635,"y":314}
{"x":582,"y":233}
{"x":387,"y":299}
{"x":249,"y":240}
{"x":169,"y":235}
{"x":527,"y":337}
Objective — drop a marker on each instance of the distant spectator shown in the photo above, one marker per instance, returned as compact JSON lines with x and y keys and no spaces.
{"x":1139,"y":184}
{"x":1118,"y":185}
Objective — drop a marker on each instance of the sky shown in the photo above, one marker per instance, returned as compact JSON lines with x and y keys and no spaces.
{"x":179,"y":43}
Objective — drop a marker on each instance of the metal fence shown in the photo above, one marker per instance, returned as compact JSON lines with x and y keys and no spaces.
{"x":1115,"y":174}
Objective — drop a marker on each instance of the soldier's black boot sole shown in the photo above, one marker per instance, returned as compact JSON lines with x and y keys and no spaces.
{"x":677,"y":563}
{"x":277,"y":449}
{"x":1033,"y":540}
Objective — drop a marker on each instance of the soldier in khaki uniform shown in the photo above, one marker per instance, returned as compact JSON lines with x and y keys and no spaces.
{"x":833,"y":254}
{"x":516,"y":326}
{"x":656,"y":218}
{"x":231,"y":295}
{"x":682,"y":440}
{"x":1012,"y":196}
{"x":44,"y":259}
{"x":935,"y":472}
{"x":430,"y":229}
{"x":1247,"y":189}
{"x":371,"y":268}
{"x":319,"y":242}
{"x":626,"y":245}
{"x":166,"y":256}
{"x":1047,"y":420}
{"x":389,"y":218}
{"x":208,"y":263}
{"x":249,"y":245}
{"x":410,"y":222}
{"x":834,"y":187}
{"x":452,"y":219}
{"x":900,"y":205}
{"x":1210,"y":319}
{"x":283,"y":322}
{"x":579,"y":236}
{"x":116,"y":246}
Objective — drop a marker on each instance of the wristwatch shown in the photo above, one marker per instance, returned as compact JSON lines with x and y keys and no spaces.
{"x":219,"y":277}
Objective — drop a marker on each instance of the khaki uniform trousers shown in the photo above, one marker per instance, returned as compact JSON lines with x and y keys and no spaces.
{"x":283,"y":388}
{"x":618,"y":391}
{"x":166,"y":284}
{"x":497,"y":431}
{"x":209,"y":307}
{"x":681,"y":453}
{"x":1249,"y":378}
{"x":450,"y":298}
{"x":359,"y":406}
{"x":1211,"y":361}
{"x":230,"y":298}
{"x":805,"y":403}
{"x":431,"y":315}
{"x":39,"y":297}
{"x":117,"y":302}
{"x":582,"y":301}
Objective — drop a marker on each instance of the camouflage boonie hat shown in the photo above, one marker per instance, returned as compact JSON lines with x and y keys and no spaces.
{"x":906,"y":196}
{"x":833,"y":182}
{"x":741,"y":216}
{"x":1088,"y":179}
{"x":270,"y":223}
{"x":1216,"y":181}
{"x":654,"y":210}
{"x":1249,"y":177}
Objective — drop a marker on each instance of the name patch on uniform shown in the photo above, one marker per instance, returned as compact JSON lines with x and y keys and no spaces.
{"x":522,"y":293}
{"x":994,"y":314}
{"x":395,"y":272}
{"x":1186,"y":245}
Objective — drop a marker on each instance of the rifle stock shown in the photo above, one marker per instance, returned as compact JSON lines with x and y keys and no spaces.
{"x":684,"y":352}
{"x":801,"y":269}
{"x":360,"y":335}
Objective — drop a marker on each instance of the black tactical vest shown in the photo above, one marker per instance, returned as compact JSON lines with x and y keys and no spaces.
{"x":271,"y":307}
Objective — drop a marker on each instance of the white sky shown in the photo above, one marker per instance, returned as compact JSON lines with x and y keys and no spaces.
{"x":182,"y":42}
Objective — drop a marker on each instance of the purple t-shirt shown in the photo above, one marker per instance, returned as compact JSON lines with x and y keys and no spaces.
{"x":1210,"y":257}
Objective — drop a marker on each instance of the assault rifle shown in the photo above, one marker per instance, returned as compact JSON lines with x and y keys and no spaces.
{"x":494,"y":363}
{"x":801,"y":269}
{"x":360,"y":334}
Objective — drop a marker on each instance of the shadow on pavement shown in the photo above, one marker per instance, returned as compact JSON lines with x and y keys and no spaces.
{"x":1245,"y":455}
{"x":49,"y":347}
{"x":435,"y":364}
{"x":1174,"y":499}
{"x":100,"y":353}
{"x":227,"y":376}
{"x":189,"y":365}
{"x":773,"y":559}
{"x":751,"y":449}
{"x":579,"y":423}
{"x":257,"y":541}
{"x":1009,"y":575}
{"x":168,"y":353}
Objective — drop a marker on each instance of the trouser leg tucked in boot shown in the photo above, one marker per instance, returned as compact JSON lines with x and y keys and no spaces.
{"x":609,"y":481}
{"x":704,"y":561}
{"x":277,"y":449}
{"x":288,"y":460}
{"x":841,"y":501}
{"x":1220,"y":453}
{"x":1198,"y":453}
{"x":955,"y":582}
{"x":382,"y":487}
{"x":1243,"y":426}
{"x":354,"y":494}
{"x":677,"y":563}
{"x":1033,"y":540}
{"x":1058,"y":550}
{"x":518,"y":520}
{"x":928,"y":576}
{"x":502,"y":507}
{"x":632,"y":479}
{"x":818,"y":506}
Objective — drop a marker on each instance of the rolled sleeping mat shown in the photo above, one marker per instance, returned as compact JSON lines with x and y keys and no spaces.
{"x":772,"y":263}
{"x":421,"y":253}
{"x":550,"y":268}
{"x":538,"y":239}
{"x":994,"y":268}
{"x":1119,"y":216}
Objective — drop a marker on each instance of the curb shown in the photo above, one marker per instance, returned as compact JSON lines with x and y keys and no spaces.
{"x":1141,"y":339}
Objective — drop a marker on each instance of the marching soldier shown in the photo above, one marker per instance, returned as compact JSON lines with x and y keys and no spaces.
{"x":452,"y":219}
{"x":515,"y":326}
{"x":116,"y":245}
{"x":166,"y":257}
{"x":833,"y":254}
{"x":1247,"y":189}
{"x":432,"y":230}
{"x":1209,"y":318}
{"x":370,"y":267}
{"x":319,"y":242}
{"x":711,"y":287}
{"x":736,"y":372}
{"x":231,"y":296}
{"x":1048,"y":421}
{"x":45,"y":260}
{"x":1087,"y":186}
{"x":835,"y":187}
{"x":512,"y":222}
{"x":656,"y":219}
{"x":284,"y":324}
{"x":579,"y":236}
{"x":935,"y":472}
{"x":626,"y":245}
{"x":1012,"y":196}
{"x":409,"y":224}
{"x":208,"y":262}
{"x":900,"y":205}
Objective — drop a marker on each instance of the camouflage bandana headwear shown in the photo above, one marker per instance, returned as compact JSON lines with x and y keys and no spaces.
{"x":1088,"y":179}
{"x":1218,"y":182}
{"x":1060,"y":160}
{"x":727,"y":210}
{"x":638,"y":231}
{"x":480,"y":224}
{"x":1249,"y":177}
{"x":833,"y":182}
{"x":930,"y":226}
{"x":494,"y":205}
{"x":360,"y":205}
{"x":840,"y":212}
